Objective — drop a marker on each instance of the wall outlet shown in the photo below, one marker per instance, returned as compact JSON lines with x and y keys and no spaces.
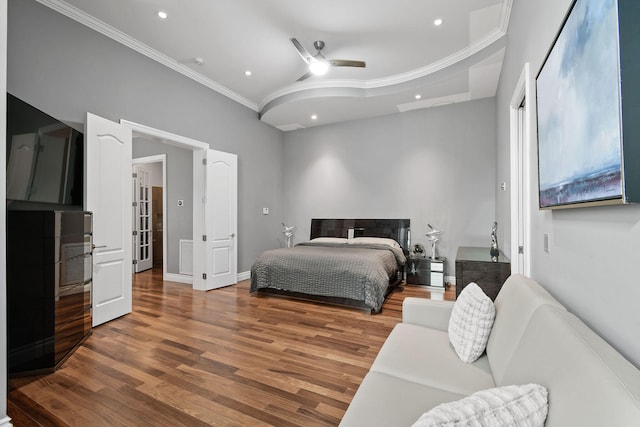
{"x":265,"y":211}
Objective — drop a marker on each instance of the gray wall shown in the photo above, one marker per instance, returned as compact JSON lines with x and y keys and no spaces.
{"x":594,"y":252}
{"x":432,"y":166}
{"x":67,"y":69}
{"x":179,"y":164}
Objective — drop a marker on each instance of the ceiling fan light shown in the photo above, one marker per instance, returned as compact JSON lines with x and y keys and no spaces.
{"x":318,"y":68}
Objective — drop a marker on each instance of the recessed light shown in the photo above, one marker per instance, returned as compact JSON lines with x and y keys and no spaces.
{"x":418,"y":96}
{"x":247,"y":73}
{"x":314,"y":117}
{"x":162,"y":14}
{"x":437,"y":22}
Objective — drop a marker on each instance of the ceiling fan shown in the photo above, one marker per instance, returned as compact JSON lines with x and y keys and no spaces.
{"x":318,"y":63}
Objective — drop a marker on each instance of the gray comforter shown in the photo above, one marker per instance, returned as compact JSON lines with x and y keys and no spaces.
{"x":357,"y":272}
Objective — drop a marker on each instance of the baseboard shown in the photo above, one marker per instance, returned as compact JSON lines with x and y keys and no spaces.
{"x":180,"y":278}
{"x":5,"y":422}
{"x":184,"y":278}
{"x":450,"y":279}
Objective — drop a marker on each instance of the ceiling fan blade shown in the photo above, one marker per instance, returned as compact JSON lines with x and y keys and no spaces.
{"x":347,"y":63}
{"x":304,"y":53}
{"x":305,"y":76}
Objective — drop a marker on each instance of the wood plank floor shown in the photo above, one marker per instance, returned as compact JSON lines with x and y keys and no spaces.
{"x":223,"y":357}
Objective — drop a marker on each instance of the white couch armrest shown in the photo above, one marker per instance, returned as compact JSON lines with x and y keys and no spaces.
{"x":425,"y":312}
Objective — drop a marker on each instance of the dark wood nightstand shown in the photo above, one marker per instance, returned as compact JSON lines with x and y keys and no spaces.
{"x":474,"y":264}
{"x":425,"y":271}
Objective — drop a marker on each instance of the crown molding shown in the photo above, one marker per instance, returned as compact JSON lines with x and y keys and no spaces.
{"x":122,"y":38}
{"x":490,"y":38}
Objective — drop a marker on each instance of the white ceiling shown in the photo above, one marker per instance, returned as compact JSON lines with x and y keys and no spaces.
{"x":406,"y":54}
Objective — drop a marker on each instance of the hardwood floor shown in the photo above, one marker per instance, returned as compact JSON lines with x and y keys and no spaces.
{"x":223,"y":357}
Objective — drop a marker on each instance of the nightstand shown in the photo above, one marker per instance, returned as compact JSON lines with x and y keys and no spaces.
{"x":425,"y":271}
{"x":475,"y":264}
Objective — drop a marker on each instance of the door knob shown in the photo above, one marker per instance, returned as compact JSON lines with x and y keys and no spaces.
{"x":232,"y":235}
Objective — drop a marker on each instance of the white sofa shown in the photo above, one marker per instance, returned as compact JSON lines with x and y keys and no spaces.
{"x":534,"y":339}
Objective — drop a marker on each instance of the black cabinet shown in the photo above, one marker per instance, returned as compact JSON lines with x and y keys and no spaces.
{"x":475,"y":264}
{"x":425,"y":271}
{"x":49,"y":269}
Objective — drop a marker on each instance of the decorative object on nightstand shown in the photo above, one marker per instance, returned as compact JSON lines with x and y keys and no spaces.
{"x":494,"y":251}
{"x":417,"y":251}
{"x":288,"y":233}
{"x":426,"y":271}
{"x":475,"y":264}
{"x":434,"y":236}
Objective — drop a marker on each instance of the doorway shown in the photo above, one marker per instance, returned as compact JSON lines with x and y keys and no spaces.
{"x":520,"y":124}
{"x":206,"y":264}
{"x":149,"y":212}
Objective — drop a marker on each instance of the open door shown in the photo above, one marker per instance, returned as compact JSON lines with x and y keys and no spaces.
{"x":221,"y":219}
{"x":108,"y":196}
{"x":142,"y":219}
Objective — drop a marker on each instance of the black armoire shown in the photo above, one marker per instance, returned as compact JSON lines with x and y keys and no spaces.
{"x":49,"y":269}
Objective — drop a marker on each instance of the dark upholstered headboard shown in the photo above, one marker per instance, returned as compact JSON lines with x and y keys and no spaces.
{"x":397,"y":229}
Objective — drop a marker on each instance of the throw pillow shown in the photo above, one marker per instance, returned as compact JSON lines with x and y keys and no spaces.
{"x":470,"y":323}
{"x":513,"y":405}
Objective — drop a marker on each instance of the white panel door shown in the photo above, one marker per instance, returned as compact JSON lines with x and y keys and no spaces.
{"x":142,"y":227}
{"x":108,"y":196}
{"x":221,"y":219}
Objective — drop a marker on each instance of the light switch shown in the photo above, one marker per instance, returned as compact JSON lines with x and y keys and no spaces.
{"x":265,"y":211}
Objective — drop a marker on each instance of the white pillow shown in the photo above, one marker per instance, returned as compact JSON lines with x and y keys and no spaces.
{"x":374,"y":241}
{"x":470,"y":323}
{"x":513,"y":405}
{"x":329,"y":240}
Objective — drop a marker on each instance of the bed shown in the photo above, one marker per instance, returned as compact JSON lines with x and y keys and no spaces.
{"x":352,"y":262}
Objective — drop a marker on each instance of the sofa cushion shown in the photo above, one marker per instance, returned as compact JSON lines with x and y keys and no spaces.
{"x":516,"y":405}
{"x":589,"y":383}
{"x":470,"y":322}
{"x":519,"y":297}
{"x":384,"y":400}
{"x":424,"y":355}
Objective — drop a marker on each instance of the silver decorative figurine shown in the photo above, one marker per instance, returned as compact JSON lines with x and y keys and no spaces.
{"x":288,"y":233}
{"x":494,"y":251}
{"x":434,"y":236}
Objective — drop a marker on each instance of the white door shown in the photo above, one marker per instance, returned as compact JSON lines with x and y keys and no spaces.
{"x":108,"y":196}
{"x":142,"y":224}
{"x":221,"y":219}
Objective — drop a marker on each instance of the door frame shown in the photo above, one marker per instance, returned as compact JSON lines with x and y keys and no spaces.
{"x":199,"y":154}
{"x":520,"y":150}
{"x":159,"y":158}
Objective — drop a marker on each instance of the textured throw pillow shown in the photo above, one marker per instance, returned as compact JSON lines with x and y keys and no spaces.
{"x":470,"y":323}
{"x":513,"y":405}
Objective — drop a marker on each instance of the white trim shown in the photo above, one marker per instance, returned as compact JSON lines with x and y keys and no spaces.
{"x":180,"y":278}
{"x":166,"y":137}
{"x":522,"y":92}
{"x":490,"y":38}
{"x":450,"y":279}
{"x":155,"y":159}
{"x":198,"y":148}
{"x":5,"y":422}
{"x":245,"y":275}
{"x":122,"y":38}
{"x":183,"y":246}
